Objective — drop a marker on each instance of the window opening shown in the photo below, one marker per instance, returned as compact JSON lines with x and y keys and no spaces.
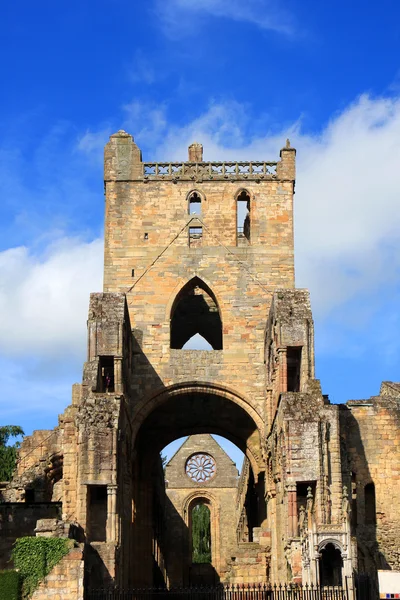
{"x":293,"y":364}
{"x":243,"y":218}
{"x":195,"y":236}
{"x":106,"y":370}
{"x":370,"y":504}
{"x":195,"y":311}
{"x":201,"y":534}
{"x":302,"y":493}
{"x":194,"y":204}
{"x":97,"y":513}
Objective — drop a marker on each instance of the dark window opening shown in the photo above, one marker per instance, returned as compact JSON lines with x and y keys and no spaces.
{"x":29,"y":496}
{"x":331,"y":564}
{"x":243,"y":218}
{"x":370,"y":504}
{"x":106,"y":371}
{"x":195,"y":236}
{"x":302,"y":491}
{"x":195,"y":311}
{"x":194,"y":204}
{"x":146,"y":236}
{"x":293,"y":362}
{"x":201,"y":534}
{"x":97,"y":513}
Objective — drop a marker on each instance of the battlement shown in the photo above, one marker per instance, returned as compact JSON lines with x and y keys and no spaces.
{"x":123,"y":162}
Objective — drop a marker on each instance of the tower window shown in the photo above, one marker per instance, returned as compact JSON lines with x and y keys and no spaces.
{"x":243,"y":218}
{"x":194,"y":204}
{"x":195,"y":236}
{"x":293,"y":361}
{"x":106,"y":371}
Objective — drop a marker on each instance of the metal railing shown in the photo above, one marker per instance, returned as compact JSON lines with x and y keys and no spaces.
{"x":225,"y":592}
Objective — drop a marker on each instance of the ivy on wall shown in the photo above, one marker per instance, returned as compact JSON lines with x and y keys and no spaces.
{"x":34,"y":557}
{"x":10,"y":585}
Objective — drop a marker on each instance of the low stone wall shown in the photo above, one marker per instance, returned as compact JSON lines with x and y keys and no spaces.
{"x":65,"y":581}
{"x":18,"y":519}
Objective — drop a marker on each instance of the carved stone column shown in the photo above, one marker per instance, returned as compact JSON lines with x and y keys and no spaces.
{"x":292,"y":510}
{"x":112,"y":529}
{"x":118,"y":374}
{"x":282,"y":354}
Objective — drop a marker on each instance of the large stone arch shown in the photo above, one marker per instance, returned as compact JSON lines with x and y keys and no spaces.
{"x":237,"y":419}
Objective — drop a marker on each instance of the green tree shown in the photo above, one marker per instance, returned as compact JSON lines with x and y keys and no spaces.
{"x":8,"y":452}
{"x":201,"y":534}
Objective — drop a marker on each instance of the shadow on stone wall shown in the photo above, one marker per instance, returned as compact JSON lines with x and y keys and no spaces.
{"x":356,"y":475}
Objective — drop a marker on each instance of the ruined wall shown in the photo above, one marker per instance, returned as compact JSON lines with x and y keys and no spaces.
{"x":18,"y":519}
{"x":219,"y":494}
{"x":147,"y":230}
{"x":371,"y":433}
{"x":303,"y":452}
{"x":65,"y":581}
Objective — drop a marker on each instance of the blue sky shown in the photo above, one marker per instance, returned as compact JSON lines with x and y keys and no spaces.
{"x":240,"y":77}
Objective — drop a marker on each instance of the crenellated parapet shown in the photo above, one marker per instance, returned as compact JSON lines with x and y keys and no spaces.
{"x":123,"y":162}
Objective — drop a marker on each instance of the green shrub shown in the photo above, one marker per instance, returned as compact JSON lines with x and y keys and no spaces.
{"x":10,"y":585}
{"x":34,"y":557}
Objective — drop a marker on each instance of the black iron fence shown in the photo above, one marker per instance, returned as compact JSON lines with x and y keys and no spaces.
{"x":229,"y":592}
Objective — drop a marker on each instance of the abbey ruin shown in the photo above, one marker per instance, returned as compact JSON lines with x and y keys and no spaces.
{"x":207,"y":248}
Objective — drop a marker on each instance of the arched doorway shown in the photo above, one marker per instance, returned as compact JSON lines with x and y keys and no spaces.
{"x":183,"y":410}
{"x":331,"y":566}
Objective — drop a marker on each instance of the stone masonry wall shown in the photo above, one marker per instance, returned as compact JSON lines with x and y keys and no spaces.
{"x":65,"y":581}
{"x":371,"y":430}
{"x":146,"y":231}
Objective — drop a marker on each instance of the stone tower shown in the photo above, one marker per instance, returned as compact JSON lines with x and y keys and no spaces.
{"x":206,"y":248}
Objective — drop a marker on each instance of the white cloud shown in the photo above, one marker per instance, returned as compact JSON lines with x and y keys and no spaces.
{"x":147,"y":120}
{"x":180,"y":18}
{"x":44,"y":300}
{"x":142,"y":71}
{"x":92,"y":143}
{"x":347,"y":192}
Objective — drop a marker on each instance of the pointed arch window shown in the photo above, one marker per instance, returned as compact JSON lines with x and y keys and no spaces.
{"x":194,"y":203}
{"x":243,"y":218}
{"x":201,"y":533}
{"x":196,"y":311}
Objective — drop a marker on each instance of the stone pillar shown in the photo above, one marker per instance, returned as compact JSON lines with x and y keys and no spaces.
{"x":112,"y":530}
{"x":282,"y":356}
{"x":122,"y":158}
{"x":286,"y":168}
{"x":292,"y":510}
{"x":118,"y":386}
{"x":195,"y":152}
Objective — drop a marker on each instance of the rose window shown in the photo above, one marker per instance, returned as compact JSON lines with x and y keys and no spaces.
{"x":200,"y":467}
